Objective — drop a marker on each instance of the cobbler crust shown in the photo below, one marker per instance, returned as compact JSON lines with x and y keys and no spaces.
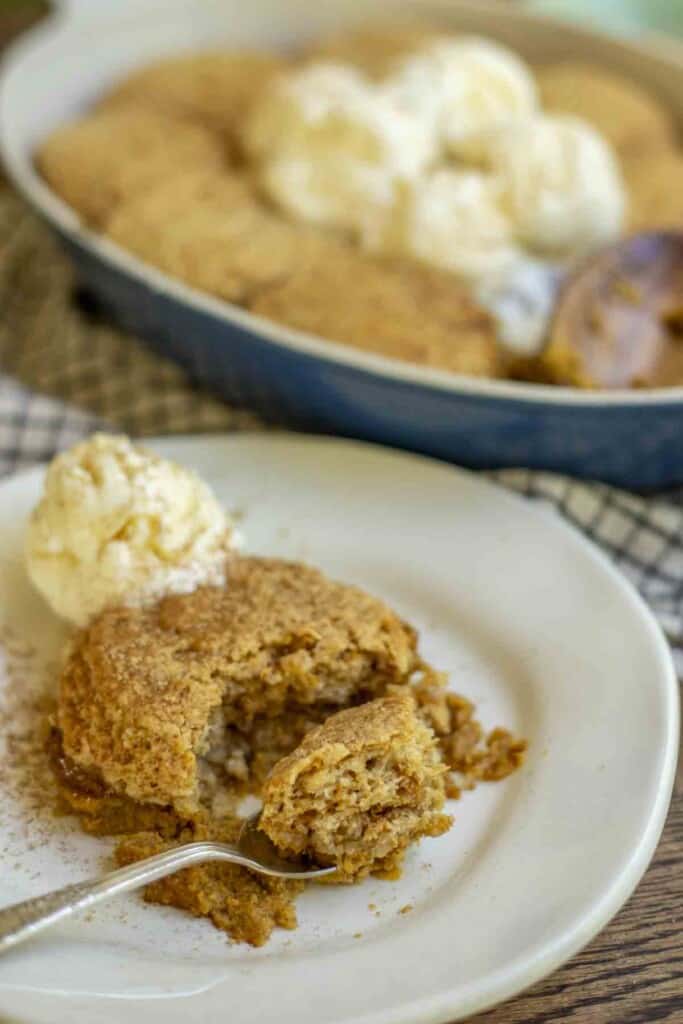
{"x":405,"y":310}
{"x":111,"y":155}
{"x":212,"y":88}
{"x":140,"y":685}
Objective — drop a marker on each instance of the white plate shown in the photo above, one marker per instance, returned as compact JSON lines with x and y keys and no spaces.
{"x":531,"y":622}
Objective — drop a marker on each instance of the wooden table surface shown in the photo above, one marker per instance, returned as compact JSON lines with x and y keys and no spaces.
{"x":632,"y":973}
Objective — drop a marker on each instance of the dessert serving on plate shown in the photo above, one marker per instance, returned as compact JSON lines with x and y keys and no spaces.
{"x":406,"y":191}
{"x":359,"y":789}
{"x":197,"y":675}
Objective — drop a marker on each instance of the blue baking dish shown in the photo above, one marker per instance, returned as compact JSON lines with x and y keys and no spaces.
{"x":629,"y":438}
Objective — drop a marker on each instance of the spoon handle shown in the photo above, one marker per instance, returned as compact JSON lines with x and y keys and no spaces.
{"x":23,"y":920}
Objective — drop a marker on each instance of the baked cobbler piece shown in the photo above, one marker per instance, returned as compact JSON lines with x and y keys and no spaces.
{"x":656,"y":197}
{"x":375,"y":49}
{"x":242,"y":903}
{"x":624,"y":112}
{"x":160,"y":703}
{"x":207,"y":228}
{"x":214,"y":89}
{"x":407,"y":311}
{"x":359,"y":790}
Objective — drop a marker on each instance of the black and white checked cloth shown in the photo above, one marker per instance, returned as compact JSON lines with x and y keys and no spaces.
{"x":65,"y":371}
{"x":644,"y":537}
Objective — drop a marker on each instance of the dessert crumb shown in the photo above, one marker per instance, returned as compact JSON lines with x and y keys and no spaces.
{"x":406,"y":909}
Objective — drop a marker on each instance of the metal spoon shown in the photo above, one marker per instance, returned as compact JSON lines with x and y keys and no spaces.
{"x":622,"y":312}
{"x":253,"y":850}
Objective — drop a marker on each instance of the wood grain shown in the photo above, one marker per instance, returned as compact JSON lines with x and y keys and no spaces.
{"x":632,"y":973}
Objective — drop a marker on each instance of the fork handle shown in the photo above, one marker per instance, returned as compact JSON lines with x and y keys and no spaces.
{"x":23,"y":920}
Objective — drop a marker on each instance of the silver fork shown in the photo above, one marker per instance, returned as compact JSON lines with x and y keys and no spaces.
{"x":253,"y":850}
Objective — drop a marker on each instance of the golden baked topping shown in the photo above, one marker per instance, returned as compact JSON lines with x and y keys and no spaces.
{"x":140,"y":686}
{"x":359,"y":790}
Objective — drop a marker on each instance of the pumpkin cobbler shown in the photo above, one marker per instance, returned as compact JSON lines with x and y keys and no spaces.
{"x":419,"y":194}
{"x":281,"y":683}
{"x":358,"y":790}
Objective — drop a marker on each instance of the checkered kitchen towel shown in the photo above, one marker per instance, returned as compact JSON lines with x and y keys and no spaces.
{"x":65,"y":373}
{"x":643,"y":536}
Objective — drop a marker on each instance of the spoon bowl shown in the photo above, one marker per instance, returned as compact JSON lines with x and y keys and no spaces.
{"x":261,"y":855}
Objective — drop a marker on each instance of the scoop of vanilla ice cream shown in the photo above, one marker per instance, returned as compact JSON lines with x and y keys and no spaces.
{"x":451,"y":219}
{"x":119,"y":525}
{"x":335,"y":191}
{"x":562,"y":184}
{"x":466,"y":87}
{"x":330,"y":143}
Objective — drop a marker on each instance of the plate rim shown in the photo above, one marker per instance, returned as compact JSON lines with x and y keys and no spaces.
{"x":518,"y":975}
